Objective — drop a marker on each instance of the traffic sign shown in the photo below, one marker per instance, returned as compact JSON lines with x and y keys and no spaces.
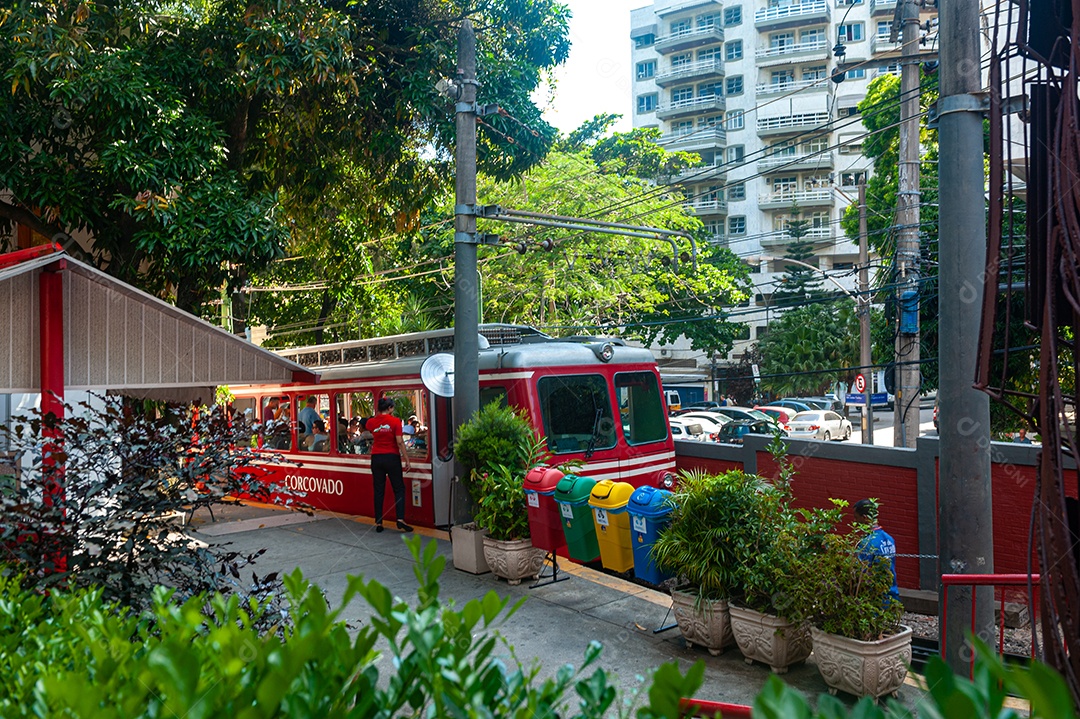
{"x":860,"y":383}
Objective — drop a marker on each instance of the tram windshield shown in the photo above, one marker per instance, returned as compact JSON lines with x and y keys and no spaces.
{"x":640,"y":407}
{"x":577,"y":413}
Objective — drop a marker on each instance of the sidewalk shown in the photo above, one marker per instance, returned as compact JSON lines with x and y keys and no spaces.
{"x":554,"y":627}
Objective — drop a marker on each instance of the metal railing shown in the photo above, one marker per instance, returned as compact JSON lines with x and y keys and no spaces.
{"x":691,"y":69}
{"x":998,"y":582}
{"x":710,"y":102}
{"x":693,"y":136}
{"x":795,"y":10}
{"x":705,"y":207}
{"x":792,"y":121}
{"x":690,"y":34}
{"x":768,"y":88}
{"x":801,"y":197}
{"x":792,"y":49}
{"x":818,"y":159}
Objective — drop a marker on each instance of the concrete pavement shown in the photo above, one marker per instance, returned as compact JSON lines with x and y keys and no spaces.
{"x":553,"y":628}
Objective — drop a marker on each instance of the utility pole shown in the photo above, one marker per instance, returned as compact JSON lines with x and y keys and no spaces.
{"x":966,"y":540}
{"x":466,"y":281}
{"x":865,"y":355}
{"x":908,"y":371}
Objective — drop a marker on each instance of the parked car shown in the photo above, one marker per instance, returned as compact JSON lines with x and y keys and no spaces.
{"x":742,"y":413}
{"x":711,"y":422}
{"x":826,"y":402}
{"x":796,"y":404}
{"x":733,"y":432}
{"x":935,"y":414}
{"x":698,"y":406}
{"x":687,"y":429}
{"x":781,"y":414}
{"x":820,"y":424}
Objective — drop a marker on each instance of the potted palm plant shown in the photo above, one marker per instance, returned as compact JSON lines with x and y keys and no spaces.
{"x":502,"y":514}
{"x":703,"y":545}
{"x":859,"y":644}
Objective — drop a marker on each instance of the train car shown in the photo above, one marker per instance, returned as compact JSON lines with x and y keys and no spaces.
{"x":595,"y":400}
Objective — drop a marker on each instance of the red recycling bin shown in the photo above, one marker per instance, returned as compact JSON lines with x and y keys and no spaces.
{"x":545,"y":522}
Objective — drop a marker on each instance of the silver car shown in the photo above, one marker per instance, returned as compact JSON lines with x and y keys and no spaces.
{"x":823,"y":424}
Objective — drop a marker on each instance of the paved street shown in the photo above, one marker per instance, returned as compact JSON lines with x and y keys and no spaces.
{"x":883,"y":423}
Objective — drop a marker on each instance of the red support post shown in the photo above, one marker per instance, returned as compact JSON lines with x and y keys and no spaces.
{"x":51,"y":364}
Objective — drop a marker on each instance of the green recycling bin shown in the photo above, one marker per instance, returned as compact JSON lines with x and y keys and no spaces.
{"x":572,"y":494}
{"x":608,"y":501}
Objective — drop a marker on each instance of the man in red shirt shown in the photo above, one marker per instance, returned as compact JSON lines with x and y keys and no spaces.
{"x":389,"y":459}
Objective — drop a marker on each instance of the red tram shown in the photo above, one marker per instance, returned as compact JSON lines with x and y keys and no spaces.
{"x":595,"y":399}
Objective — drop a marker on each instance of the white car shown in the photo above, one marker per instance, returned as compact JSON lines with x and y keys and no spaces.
{"x":687,"y":429}
{"x":711,"y":422}
{"x":822,"y":424}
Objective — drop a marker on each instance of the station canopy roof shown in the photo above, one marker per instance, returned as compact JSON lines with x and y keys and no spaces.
{"x":121,"y":340}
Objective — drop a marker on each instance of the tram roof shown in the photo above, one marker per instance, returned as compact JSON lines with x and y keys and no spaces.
{"x":502,"y":347}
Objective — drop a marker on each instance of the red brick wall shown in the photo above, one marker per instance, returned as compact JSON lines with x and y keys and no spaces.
{"x":716,"y":466}
{"x":819,"y":480}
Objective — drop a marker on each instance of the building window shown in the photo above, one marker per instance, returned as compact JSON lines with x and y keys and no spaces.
{"x":857,"y":74}
{"x":782,"y":185}
{"x":737,"y":192}
{"x":705,"y":22}
{"x":785,"y":148}
{"x":711,"y":121}
{"x":708,"y":89}
{"x":733,"y":15}
{"x":817,"y":72}
{"x":843,"y":265}
{"x":780,"y":40}
{"x":681,"y":60}
{"x":681,"y":27}
{"x":646,"y":69}
{"x":736,"y":225}
{"x":819,"y":220}
{"x":818,"y":144}
{"x":733,"y":50}
{"x":682,"y":94}
{"x":644,"y":40}
{"x":813,"y":35}
{"x":884,"y":29}
{"x":850,"y":32}
{"x":710,"y":54}
{"x":852,"y":179}
{"x":734,"y":85}
{"x":646,"y":103}
{"x":683,"y":127}
{"x":735,"y":154}
{"x":714,"y":227}
{"x":849,"y":2}
{"x":736,"y":120}
{"x":781,"y":78}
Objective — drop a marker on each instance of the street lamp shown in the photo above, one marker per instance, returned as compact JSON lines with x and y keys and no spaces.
{"x":839,"y":49}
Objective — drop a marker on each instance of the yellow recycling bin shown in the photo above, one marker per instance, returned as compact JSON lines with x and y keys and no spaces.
{"x":608,"y":501}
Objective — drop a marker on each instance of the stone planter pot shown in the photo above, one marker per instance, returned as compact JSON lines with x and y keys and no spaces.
{"x":871,"y":669}
{"x":514,"y":560}
{"x":468,"y":545}
{"x":708,"y":624}
{"x":770,"y":640}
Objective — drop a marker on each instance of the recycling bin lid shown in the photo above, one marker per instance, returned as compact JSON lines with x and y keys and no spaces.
{"x":611,"y":495}
{"x":650,"y":502}
{"x":542,"y":480}
{"x":574,"y":489}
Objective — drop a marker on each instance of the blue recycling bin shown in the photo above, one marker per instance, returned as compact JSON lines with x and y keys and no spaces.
{"x":649,"y":510}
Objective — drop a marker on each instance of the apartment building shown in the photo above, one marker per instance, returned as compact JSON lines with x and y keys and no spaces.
{"x":747,"y":84}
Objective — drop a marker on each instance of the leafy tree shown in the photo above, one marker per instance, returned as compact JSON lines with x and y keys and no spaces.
{"x":181,"y":138}
{"x":798,"y":283}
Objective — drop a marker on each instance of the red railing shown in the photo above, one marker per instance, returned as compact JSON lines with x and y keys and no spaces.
{"x":701,"y":708}
{"x":999,"y":582}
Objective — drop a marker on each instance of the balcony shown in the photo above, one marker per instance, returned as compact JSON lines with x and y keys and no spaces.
{"x":812,"y":161}
{"x":689,"y":39}
{"x":802,"y":198}
{"x":691,"y":72}
{"x":703,"y":173}
{"x":665,"y":9}
{"x":690,"y":106}
{"x":789,"y":124}
{"x":706,"y":207}
{"x":882,"y":44}
{"x":706,"y":138}
{"x":795,"y":52}
{"x":808,"y":12}
{"x":882,"y":7}
{"x":792,"y":87}
{"x":783,"y":239}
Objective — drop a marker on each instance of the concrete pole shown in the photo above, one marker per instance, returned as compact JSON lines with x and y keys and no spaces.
{"x":863,"y":304}
{"x":966,"y":543}
{"x":908,"y":369}
{"x":466,"y":281}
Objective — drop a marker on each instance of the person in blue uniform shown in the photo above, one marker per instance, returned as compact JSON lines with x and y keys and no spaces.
{"x":878,"y":543}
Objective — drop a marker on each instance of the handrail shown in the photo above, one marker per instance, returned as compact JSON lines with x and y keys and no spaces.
{"x":701,"y":707}
{"x":988,"y":580}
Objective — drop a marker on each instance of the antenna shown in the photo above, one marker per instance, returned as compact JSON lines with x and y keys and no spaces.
{"x":437,"y":374}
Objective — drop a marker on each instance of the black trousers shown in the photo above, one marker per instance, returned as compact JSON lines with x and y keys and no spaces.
{"x":383,"y":466}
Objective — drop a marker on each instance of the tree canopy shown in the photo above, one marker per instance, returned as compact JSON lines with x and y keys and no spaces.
{"x":178,"y":139}
{"x":798,"y":283}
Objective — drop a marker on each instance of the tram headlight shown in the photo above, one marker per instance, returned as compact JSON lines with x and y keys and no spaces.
{"x":665,"y":480}
{"x":607,"y":351}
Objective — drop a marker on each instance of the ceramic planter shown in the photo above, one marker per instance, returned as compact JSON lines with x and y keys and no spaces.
{"x":707,"y":624}
{"x":468,"y":546}
{"x":514,"y":560}
{"x":871,"y":669}
{"x":770,"y":640}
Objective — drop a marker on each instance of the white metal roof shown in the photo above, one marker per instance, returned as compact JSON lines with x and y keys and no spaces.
{"x":117,"y":337}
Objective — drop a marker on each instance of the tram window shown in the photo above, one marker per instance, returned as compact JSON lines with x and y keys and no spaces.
{"x":444,"y":428}
{"x":493,"y":394}
{"x":353,"y":409}
{"x":276,"y":416}
{"x":243,"y":409}
{"x":640,"y":408}
{"x":409,"y":405}
{"x":313,"y":423}
{"x":577,"y":413}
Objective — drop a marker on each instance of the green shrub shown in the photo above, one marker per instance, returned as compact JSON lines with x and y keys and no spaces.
{"x":501,"y":506}
{"x":496,"y":436}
